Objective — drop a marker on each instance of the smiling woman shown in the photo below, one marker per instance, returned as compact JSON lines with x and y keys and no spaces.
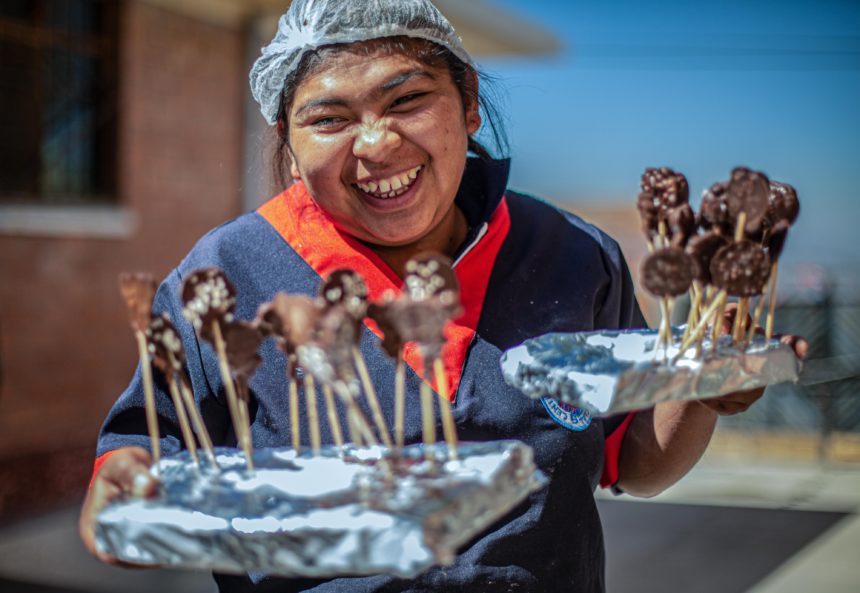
{"x":376,"y":105}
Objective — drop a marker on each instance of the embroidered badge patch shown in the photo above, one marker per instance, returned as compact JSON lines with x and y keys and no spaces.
{"x":567,"y":415}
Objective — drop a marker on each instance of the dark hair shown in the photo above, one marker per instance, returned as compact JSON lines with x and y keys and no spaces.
{"x":465,"y":78}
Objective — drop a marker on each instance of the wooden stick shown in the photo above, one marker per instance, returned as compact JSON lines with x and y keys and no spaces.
{"x":768,"y":333}
{"x":428,"y":423}
{"x":718,"y":324}
{"x":357,"y":420}
{"x":739,"y":327}
{"x":739,"y":229}
{"x":695,"y":296}
{"x":759,"y":309}
{"x":718,"y":301}
{"x":149,"y":398}
{"x":370,"y":394}
{"x":449,"y":427}
{"x":182,"y":417}
{"x":197,"y":419}
{"x":230,"y":388}
{"x":242,"y":406}
{"x":667,"y":324}
{"x":399,"y":399}
{"x":295,"y":426}
{"x":313,"y":415}
{"x":331,"y":409}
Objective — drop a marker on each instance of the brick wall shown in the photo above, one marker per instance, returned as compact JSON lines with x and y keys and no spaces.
{"x":65,"y":348}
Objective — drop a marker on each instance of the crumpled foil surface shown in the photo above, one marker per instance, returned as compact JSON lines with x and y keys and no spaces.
{"x":349,"y":511}
{"x":609,"y":372}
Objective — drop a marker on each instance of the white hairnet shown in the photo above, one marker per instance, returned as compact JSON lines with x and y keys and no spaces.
{"x":310,"y":24}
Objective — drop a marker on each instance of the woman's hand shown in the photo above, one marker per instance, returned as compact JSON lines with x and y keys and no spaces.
{"x":736,"y":403}
{"x":125,"y":471}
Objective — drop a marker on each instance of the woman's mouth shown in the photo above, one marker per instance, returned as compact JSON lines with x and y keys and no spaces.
{"x":390,"y":187}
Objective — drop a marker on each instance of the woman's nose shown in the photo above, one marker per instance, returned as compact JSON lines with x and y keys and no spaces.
{"x":374,"y":142}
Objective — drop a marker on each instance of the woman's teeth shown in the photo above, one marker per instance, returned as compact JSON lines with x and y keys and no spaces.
{"x":392,"y":186}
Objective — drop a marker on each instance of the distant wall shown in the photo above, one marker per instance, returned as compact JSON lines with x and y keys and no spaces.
{"x":65,"y":347}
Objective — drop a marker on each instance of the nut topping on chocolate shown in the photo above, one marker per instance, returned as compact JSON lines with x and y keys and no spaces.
{"x":164,"y":344}
{"x":741,"y":269}
{"x":208,"y":296}
{"x":138,"y":291}
{"x":346,"y":288}
{"x":668,"y":187}
{"x":667,"y":272}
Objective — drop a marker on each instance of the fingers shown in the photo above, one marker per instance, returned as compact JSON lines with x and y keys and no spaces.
{"x":798,"y":344}
{"x":125,"y":472}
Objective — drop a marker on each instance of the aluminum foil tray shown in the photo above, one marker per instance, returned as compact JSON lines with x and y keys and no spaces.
{"x":337,"y":513}
{"x":609,"y":372}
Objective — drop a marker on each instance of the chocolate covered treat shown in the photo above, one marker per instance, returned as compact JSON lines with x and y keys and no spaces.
{"x":209,"y":303}
{"x":667,"y":272}
{"x":680,"y":224}
{"x":714,"y":211}
{"x":290,"y":319}
{"x":748,"y":193}
{"x":741,"y":269}
{"x":208,"y":298}
{"x":347,"y":289}
{"x":784,"y":205}
{"x":432,"y":286}
{"x":138,"y":291}
{"x":702,"y":249}
{"x":169,"y":356}
{"x":669,"y":187}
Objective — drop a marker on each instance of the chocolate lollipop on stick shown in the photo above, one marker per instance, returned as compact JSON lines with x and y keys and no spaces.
{"x":163,"y":342}
{"x":290,"y":319}
{"x":392,"y":343}
{"x":667,"y":273}
{"x":347,"y":288}
{"x":784,"y":209}
{"x":138,"y":291}
{"x":329,"y":357}
{"x":209,"y":302}
{"x":430,"y":283}
{"x":242,"y":340}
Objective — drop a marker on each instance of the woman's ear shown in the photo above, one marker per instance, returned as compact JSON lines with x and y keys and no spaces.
{"x":471,"y":108}
{"x":294,"y":168}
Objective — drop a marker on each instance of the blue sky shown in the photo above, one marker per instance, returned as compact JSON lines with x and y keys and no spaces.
{"x":701,"y":88}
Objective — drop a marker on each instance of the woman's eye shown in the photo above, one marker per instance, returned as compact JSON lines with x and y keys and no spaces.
{"x":328,"y":122}
{"x":406,"y":99}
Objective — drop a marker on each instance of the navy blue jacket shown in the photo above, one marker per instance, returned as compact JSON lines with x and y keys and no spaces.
{"x":527,"y":269}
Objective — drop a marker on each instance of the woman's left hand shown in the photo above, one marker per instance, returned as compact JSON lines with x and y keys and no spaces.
{"x":736,"y":403}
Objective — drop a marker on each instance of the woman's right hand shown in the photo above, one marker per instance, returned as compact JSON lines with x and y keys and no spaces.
{"x":125,"y":471}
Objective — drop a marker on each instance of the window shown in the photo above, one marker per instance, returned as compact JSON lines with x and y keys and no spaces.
{"x":58,"y":101}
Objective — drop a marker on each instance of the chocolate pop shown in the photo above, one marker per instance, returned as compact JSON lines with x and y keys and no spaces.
{"x":209,"y":304}
{"x":347,"y":289}
{"x":138,"y":292}
{"x":169,"y":356}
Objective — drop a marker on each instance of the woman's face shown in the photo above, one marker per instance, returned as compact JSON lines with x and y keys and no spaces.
{"x":380,"y":142}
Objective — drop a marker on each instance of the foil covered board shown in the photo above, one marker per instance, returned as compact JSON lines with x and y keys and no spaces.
{"x":610,"y":372}
{"x":341,"y":512}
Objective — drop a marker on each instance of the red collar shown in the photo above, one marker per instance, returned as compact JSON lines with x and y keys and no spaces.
{"x":313,"y":236}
